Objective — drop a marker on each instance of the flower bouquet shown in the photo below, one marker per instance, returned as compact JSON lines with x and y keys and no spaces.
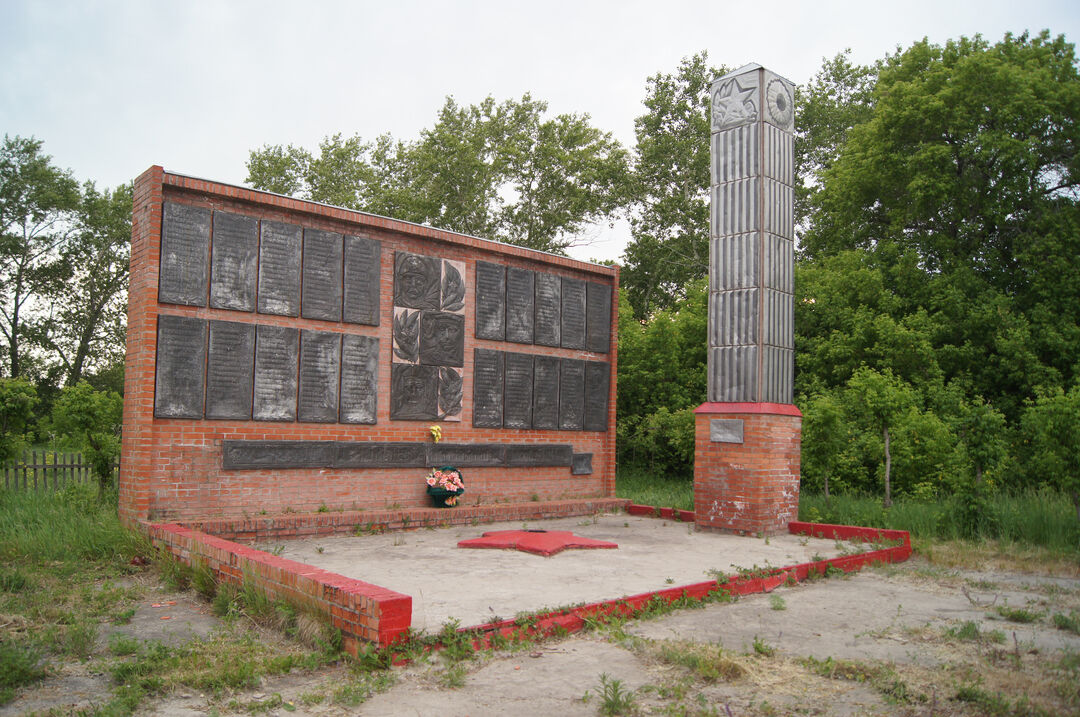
{"x":444,"y":485}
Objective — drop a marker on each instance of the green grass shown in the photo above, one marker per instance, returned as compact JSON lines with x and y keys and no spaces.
{"x":645,"y":488}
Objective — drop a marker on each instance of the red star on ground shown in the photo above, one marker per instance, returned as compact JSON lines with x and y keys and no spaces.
{"x":538,"y":542}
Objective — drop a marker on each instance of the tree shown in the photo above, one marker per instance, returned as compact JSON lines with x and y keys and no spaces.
{"x":1051,"y":435}
{"x":36,"y":203}
{"x":17,"y":400}
{"x":89,"y":421}
{"x":85,"y":324}
{"x":669,"y":246}
{"x":879,"y":399}
{"x":495,"y":170}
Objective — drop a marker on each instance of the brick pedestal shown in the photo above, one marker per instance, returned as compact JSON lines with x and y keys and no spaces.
{"x":746,"y":467}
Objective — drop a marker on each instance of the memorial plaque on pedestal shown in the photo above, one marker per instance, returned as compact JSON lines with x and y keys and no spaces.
{"x":279,"y":268}
{"x":572,"y":395}
{"x":546,"y":392}
{"x":573,"y":314}
{"x":320,"y":356}
{"x":490,"y":301}
{"x":548,"y":309}
{"x":519,"y":305}
{"x":230,"y":370}
{"x":185,"y":255}
{"x":239,"y":455}
{"x":582,"y":464}
{"x":276,"y":353}
{"x":233,"y":261}
{"x":539,"y":455}
{"x":417,"y":281}
{"x":359,"y":379}
{"x":442,"y":339}
{"x":322,"y":276}
{"x":487,"y":388}
{"x":382,"y":455}
{"x":181,"y":361}
{"x":362,"y":269}
{"x":414,"y":392}
{"x":597,"y":378}
{"x":517,"y":403}
{"x":598,"y":317}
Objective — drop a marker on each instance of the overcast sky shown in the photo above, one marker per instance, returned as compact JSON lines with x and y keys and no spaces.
{"x":114,"y":87}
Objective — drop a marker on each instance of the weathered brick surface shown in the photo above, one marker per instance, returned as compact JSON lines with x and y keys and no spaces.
{"x":750,"y":487}
{"x":171,"y":468}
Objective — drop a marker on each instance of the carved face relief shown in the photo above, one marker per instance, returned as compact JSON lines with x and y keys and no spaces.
{"x":417,"y":281}
{"x":442,"y":339}
{"x":414,"y":392}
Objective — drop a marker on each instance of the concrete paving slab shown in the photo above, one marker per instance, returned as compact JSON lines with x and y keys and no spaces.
{"x":480,"y":586}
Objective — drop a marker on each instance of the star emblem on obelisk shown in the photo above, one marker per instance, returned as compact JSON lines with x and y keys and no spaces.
{"x":733,"y":106}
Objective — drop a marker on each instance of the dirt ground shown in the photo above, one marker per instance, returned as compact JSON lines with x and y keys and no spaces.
{"x":911,"y":639}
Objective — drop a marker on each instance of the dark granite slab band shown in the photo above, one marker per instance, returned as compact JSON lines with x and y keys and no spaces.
{"x":246,"y":455}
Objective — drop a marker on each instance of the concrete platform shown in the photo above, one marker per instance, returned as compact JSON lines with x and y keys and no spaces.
{"x":480,"y":586}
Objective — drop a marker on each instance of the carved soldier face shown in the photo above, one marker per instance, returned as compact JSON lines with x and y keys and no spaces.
{"x":442,"y":339}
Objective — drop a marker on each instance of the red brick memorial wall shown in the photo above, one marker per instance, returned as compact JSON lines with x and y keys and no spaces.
{"x":286,"y":356}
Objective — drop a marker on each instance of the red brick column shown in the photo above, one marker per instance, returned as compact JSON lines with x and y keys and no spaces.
{"x":746,"y":466}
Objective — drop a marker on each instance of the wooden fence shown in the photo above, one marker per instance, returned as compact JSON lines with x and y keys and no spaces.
{"x":48,"y":470}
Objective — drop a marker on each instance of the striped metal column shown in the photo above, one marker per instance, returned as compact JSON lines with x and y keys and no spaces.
{"x":752,"y":238}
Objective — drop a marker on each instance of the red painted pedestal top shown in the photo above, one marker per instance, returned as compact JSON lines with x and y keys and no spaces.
{"x":538,"y":542}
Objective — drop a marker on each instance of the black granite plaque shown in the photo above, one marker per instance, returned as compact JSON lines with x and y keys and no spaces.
{"x":582,"y":464}
{"x":362,"y":270}
{"x":321,"y":289}
{"x":519,"y":305}
{"x":466,"y":454}
{"x":539,"y":455}
{"x":181,"y":359}
{"x":276,"y":353}
{"x":230,"y":370}
{"x":598,"y":317}
{"x":490,"y":301}
{"x":233,"y":262}
{"x":442,"y":339}
{"x":417,"y":281}
{"x":573,"y":314}
{"x":597,"y":377}
{"x":239,"y":455}
{"x":451,"y":390}
{"x":572,"y":395}
{"x":414,"y":392}
{"x":546,"y":392}
{"x":487,"y":388}
{"x":185,"y":255}
{"x":279,"y":269}
{"x":359,"y":379}
{"x":382,"y":455}
{"x":517,"y":404}
{"x":548,"y":309}
{"x":320,"y":355}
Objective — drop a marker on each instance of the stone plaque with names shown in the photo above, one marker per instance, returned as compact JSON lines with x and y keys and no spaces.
{"x":539,"y":455}
{"x":233,"y":260}
{"x":320,"y":354}
{"x":573,"y":314}
{"x":597,"y":376}
{"x":382,"y":455}
{"x":239,"y":455}
{"x":548,"y":309}
{"x":362,"y":270}
{"x":546,"y":392}
{"x":490,"y":301}
{"x":442,"y":339}
{"x":181,"y":359}
{"x":417,"y":281}
{"x":572,"y":395}
{"x":230,"y":370}
{"x":518,"y":397}
{"x":466,"y":454}
{"x":487,"y":388}
{"x":359,"y":379}
{"x":276,"y":354}
{"x":582,"y":464}
{"x":598,"y":317}
{"x":279,"y":268}
{"x":185,"y":255}
{"x":322,"y":276}
{"x":414,"y":392}
{"x":519,"y":305}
